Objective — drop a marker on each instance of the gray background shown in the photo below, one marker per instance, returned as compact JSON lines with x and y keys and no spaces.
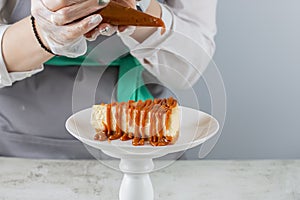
{"x":258,"y":55}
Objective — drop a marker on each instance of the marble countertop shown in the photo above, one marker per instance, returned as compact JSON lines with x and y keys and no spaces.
{"x":191,"y":180}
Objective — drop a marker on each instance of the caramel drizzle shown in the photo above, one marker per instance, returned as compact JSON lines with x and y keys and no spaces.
{"x":130,"y":114}
{"x":145,"y":111}
{"x":158,"y":108}
{"x":125,"y":135}
{"x":108,"y":119}
{"x":118,"y":115}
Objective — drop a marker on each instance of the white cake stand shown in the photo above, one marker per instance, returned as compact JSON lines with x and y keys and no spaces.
{"x":136,"y":161}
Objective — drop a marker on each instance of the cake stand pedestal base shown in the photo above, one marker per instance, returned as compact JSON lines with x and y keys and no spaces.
{"x":136,"y":183}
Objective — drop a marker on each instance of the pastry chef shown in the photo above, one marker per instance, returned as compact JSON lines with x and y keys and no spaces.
{"x":43,"y":43}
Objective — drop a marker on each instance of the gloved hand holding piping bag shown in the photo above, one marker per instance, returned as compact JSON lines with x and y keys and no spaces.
{"x":62,"y":24}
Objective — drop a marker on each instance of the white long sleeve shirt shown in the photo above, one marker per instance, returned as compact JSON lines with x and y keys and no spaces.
{"x":177,"y":58}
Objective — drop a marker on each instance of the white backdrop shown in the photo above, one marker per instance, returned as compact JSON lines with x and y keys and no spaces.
{"x":258,"y":54}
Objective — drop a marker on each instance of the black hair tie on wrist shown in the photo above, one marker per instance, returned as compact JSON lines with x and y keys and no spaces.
{"x":38,"y":37}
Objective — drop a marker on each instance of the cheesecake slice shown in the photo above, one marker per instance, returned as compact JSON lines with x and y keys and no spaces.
{"x":151,"y":121}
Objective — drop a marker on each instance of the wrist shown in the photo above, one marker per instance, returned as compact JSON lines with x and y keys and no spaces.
{"x":39,"y":36}
{"x":21,"y":52}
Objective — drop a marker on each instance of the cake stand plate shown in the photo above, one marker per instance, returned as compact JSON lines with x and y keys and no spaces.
{"x":136,"y":162}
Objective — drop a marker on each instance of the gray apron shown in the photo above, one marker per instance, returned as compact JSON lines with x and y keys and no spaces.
{"x":33,"y":111}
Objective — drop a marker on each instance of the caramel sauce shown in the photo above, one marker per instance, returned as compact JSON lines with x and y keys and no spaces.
{"x":158,"y":108}
{"x":126,"y":116}
{"x":153,"y":120}
{"x":100,"y":136}
{"x":115,"y":136}
{"x":143,"y":123}
{"x":168,"y":123}
{"x":142,"y":141}
{"x":105,"y":127}
{"x":160,"y":123}
{"x":118,"y":119}
{"x":135,"y":141}
{"x":130,"y":113}
{"x":126,"y":137}
{"x":145,"y":111}
{"x":154,"y":140}
{"x":169,"y":138}
{"x":137,"y":119}
{"x":108,"y":119}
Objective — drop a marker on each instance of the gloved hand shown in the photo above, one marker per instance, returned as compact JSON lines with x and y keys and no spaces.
{"x":62,"y":24}
{"x":107,"y":29}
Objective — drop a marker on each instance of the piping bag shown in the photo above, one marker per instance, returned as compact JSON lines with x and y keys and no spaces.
{"x":119,"y":15}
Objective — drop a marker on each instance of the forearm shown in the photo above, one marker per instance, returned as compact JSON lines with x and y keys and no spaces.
{"x":20,"y":49}
{"x":142,"y":33}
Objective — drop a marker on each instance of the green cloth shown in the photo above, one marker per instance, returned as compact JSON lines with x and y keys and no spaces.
{"x":65,"y":61}
{"x":130,"y":82}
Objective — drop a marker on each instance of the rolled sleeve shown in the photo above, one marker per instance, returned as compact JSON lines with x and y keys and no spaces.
{"x":5,"y":79}
{"x":179,"y":56}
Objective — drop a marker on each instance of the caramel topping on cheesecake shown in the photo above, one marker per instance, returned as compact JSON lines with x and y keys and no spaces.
{"x":151,"y":121}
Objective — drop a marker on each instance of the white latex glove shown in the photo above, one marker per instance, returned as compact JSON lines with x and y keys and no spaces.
{"x":62,"y":24}
{"x":107,"y":29}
